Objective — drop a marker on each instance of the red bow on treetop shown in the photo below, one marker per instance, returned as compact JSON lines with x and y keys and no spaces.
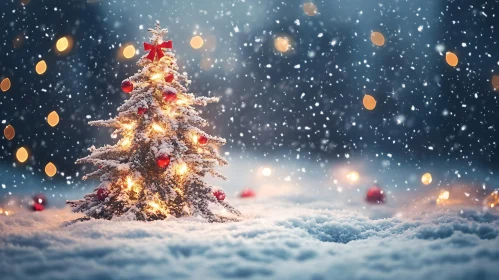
{"x":155,"y":50}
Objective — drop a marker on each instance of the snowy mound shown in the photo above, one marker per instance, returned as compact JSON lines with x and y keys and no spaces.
{"x":279,"y":240}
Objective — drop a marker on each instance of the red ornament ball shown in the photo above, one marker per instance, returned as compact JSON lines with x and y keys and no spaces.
{"x":127,"y":86}
{"x":163,"y":161}
{"x":169,"y":96}
{"x":169,"y":78}
{"x":247,"y":193}
{"x":102,"y":193}
{"x":220,"y":195}
{"x":202,"y":139}
{"x":39,"y":202}
{"x":375,"y":195}
{"x":141,"y":111}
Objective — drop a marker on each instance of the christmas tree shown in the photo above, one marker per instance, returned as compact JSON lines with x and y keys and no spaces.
{"x":156,"y":169}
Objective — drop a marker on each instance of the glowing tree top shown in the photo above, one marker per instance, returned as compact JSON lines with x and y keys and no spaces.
{"x":156,"y":168}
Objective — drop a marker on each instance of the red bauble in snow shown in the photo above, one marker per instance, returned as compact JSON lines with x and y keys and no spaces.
{"x":39,"y":202}
{"x":163,"y":161}
{"x":127,"y":86}
{"x":202,"y":139}
{"x":102,"y":193}
{"x":169,"y":78}
{"x":220,"y":195}
{"x":247,"y":193}
{"x":375,"y":195}
{"x":141,"y":111}
{"x":169,"y":96}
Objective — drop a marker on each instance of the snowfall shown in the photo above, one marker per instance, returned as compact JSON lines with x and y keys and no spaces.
{"x":289,"y":231}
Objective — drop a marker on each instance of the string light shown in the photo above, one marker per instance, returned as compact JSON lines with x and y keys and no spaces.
{"x":197,"y":42}
{"x":125,"y":143}
{"x":156,"y":76}
{"x":426,"y":179}
{"x":182,"y":169}
{"x":50,"y":169}
{"x":53,"y":118}
{"x":41,"y":67}
{"x":9,"y":132}
{"x":22,"y":154}
{"x":5,"y":84}
{"x":157,"y":127}
{"x":153,"y":204}
{"x":129,"y":182}
{"x":129,"y":126}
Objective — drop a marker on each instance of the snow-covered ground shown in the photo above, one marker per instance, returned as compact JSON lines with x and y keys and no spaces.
{"x":278,"y":238}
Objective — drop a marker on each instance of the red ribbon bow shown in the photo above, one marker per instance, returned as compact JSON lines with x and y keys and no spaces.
{"x":156,"y":50}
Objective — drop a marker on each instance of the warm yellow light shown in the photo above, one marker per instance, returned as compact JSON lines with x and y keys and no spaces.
{"x":194,"y":138}
{"x":9,"y":132}
{"x":426,"y":179}
{"x":495,"y":82}
{"x":197,"y":42}
{"x":22,"y":154}
{"x":353,"y":176}
{"x":129,"y":51}
{"x":5,"y":84}
{"x":444,"y":195}
{"x":129,"y":182}
{"x":129,"y":126}
{"x":62,"y":44}
{"x":451,"y":59}
{"x":281,"y":44}
{"x":53,"y":118}
{"x":377,"y":39}
{"x":125,"y":143}
{"x":266,"y":171}
{"x":492,"y":200}
{"x":181,"y":102}
{"x":41,"y":67}
{"x":182,"y":169}
{"x":156,"y":76}
{"x":369,"y":102}
{"x":50,"y":169}
{"x":153,"y":204}
{"x":157,"y":127}
{"x":310,"y":9}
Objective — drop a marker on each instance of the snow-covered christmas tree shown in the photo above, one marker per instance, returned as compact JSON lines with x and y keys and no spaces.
{"x":157,"y":167}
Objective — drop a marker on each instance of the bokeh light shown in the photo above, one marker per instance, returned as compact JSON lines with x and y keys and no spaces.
{"x":443,"y":197}
{"x":9,"y":132}
{"x":310,"y":9}
{"x":451,"y":59}
{"x":50,"y":169}
{"x":5,"y":84}
{"x":62,"y":44}
{"x":281,"y":44}
{"x":353,"y":176}
{"x":426,"y":179}
{"x":53,"y":118}
{"x":495,"y":82}
{"x":377,"y":39}
{"x":41,"y":67}
{"x":266,"y":171}
{"x":369,"y":102}
{"x":129,"y":51}
{"x":492,"y":200}
{"x":22,"y":154}
{"x":197,"y":42}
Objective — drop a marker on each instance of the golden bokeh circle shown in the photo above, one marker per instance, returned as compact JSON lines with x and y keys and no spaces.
{"x":22,"y":154}
{"x":41,"y":67}
{"x":451,"y":59}
{"x":50,"y":169}
{"x":369,"y":102}
{"x":129,"y":51}
{"x":426,"y":179}
{"x":495,"y":82}
{"x":5,"y":84}
{"x":53,"y":118}
{"x":62,"y":44}
{"x":197,"y":42}
{"x":310,"y":9}
{"x":377,"y":39}
{"x":9,"y":132}
{"x":281,"y":44}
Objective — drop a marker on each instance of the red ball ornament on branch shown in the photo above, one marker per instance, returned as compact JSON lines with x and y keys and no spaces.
{"x":102,"y":193}
{"x":248,"y":193}
{"x":169,"y":96}
{"x":375,"y":195}
{"x":141,"y":111}
{"x":169,"y":78}
{"x":202,"y":139}
{"x":163,"y":161}
{"x":219,"y":195}
{"x":127,"y":86}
